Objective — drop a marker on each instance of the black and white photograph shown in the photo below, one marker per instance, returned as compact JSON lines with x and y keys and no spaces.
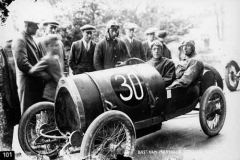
{"x":119,"y":79}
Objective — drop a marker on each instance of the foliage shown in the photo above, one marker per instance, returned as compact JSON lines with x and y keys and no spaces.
{"x":73,"y":14}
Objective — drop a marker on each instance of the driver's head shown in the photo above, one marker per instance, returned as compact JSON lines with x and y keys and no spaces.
{"x":113,"y":29}
{"x":157,"y":49}
{"x":188,"y":47}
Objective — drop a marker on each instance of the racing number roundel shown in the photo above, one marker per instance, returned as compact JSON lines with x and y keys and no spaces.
{"x":129,"y":88}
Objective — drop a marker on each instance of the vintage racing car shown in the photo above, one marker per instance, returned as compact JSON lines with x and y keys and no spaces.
{"x":232,"y":75}
{"x":100,"y":112}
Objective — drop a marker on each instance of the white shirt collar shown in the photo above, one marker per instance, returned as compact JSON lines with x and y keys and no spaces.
{"x":86,"y":44}
{"x":130,"y":39}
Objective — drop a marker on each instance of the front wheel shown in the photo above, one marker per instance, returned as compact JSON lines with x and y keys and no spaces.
{"x":30,"y":140}
{"x":212,"y":111}
{"x":230,"y":75}
{"x":110,"y":135}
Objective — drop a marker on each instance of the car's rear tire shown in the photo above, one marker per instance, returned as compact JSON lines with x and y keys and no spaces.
{"x":103,"y":137}
{"x":231,"y":70}
{"x":28,"y":132}
{"x":212,"y":111}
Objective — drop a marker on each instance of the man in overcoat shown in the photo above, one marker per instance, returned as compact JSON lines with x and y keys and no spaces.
{"x":82,"y":51}
{"x":111,"y":51}
{"x":134,"y":45}
{"x":26,"y":54}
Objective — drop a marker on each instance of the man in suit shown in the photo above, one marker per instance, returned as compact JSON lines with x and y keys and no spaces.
{"x":26,"y":54}
{"x":82,"y":51}
{"x":150,"y":32}
{"x":134,"y":45}
{"x":111,"y":51}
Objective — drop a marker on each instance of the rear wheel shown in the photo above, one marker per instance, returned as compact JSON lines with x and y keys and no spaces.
{"x":230,"y":75}
{"x":212,"y":111}
{"x":110,"y":135}
{"x":39,"y":115}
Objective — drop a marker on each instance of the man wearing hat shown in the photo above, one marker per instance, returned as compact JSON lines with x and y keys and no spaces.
{"x":134,"y":45}
{"x":111,"y":51}
{"x":82,"y":51}
{"x":163,"y":65}
{"x":50,"y":27}
{"x":26,"y":54}
{"x":187,"y":50}
{"x":150,"y":32}
{"x":161,"y":36}
{"x":190,"y":67}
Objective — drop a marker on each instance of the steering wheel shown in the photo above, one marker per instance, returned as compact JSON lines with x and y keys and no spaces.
{"x":134,"y":60}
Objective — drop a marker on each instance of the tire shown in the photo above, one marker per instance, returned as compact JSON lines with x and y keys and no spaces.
{"x":101,"y":133}
{"x":231,"y":70}
{"x":218,"y":77}
{"x":212,"y":111}
{"x":29,"y":126}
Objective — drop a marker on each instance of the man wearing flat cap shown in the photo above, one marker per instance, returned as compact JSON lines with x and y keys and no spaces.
{"x":50,"y":28}
{"x":134,"y":45}
{"x":111,"y":51}
{"x":82,"y":51}
{"x":26,"y":54}
{"x":150,"y":32}
{"x":163,"y":65}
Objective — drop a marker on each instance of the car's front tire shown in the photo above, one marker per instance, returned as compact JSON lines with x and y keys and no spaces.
{"x":28,"y":131}
{"x":111,"y":134}
{"x":212,"y":111}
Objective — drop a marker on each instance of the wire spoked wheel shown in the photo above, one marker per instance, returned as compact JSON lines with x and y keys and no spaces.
{"x":32,"y":122}
{"x":231,"y":75}
{"x":109,"y":136}
{"x":212,"y":111}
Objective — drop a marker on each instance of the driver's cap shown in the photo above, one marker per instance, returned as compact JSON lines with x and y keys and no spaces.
{"x":112,"y":24}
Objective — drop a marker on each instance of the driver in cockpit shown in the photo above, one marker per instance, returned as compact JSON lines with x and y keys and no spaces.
{"x":163,"y":65}
{"x":190,"y":67}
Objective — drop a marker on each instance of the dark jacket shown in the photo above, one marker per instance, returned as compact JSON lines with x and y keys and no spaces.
{"x":165,"y":67}
{"x":166,"y":52}
{"x":108,"y":52}
{"x":81,"y":60}
{"x":147,"y":50}
{"x":52,"y":66}
{"x":8,"y":89}
{"x":187,"y":72}
{"x":135,"y":48}
{"x":26,"y":54}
